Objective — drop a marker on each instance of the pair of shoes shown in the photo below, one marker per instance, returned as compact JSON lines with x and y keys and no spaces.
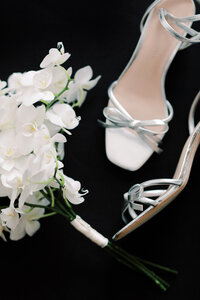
{"x":138,"y":112}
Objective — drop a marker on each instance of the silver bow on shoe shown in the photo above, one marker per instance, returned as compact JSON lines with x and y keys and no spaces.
{"x":139,"y":200}
{"x":137,"y":196}
{"x":117,"y":119}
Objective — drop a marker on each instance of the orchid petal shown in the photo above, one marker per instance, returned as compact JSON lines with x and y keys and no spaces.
{"x":31,"y":227}
{"x":83,"y":75}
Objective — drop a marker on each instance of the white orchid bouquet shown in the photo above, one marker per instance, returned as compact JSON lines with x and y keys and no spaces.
{"x":36,"y":110}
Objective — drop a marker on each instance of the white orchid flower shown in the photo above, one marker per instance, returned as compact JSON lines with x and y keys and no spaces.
{"x":29,"y":119}
{"x":18,"y":81}
{"x":71,"y":190}
{"x":15,"y":81}
{"x":43,"y":139}
{"x":42,"y":79}
{"x":81,"y":83}
{"x":27,"y":78}
{"x":31,"y":86}
{"x":28,"y":223}
{"x":49,"y":154}
{"x":55,"y":57}
{"x":63,"y":115}
{"x":25,"y":178}
{"x":5,"y":191}
{"x":9,"y":217}
{"x":9,"y":149}
{"x":32,"y":95}
{"x":37,"y":174}
{"x":34,"y":177}
{"x":8,"y":107}
{"x":52,"y":128}
{"x":13,"y":180}
{"x":60,"y":79}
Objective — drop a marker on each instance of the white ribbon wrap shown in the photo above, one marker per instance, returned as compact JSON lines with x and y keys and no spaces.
{"x":89,"y":232}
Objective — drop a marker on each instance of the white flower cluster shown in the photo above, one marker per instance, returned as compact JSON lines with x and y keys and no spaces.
{"x":34,"y":107}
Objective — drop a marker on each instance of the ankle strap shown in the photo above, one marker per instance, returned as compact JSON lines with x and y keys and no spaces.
{"x":147,"y":12}
{"x":180,"y":22}
{"x":165,"y":15}
{"x":191,"y":122}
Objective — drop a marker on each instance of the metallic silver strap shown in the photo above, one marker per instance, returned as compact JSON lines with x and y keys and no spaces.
{"x":166,"y":16}
{"x":191,"y":121}
{"x":147,"y":12}
{"x":117,"y":117}
{"x":137,"y":195}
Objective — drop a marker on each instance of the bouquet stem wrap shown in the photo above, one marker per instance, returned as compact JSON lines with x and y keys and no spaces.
{"x":79,"y":224}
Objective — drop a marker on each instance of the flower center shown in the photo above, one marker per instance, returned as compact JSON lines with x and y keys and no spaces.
{"x":43,"y":83}
{"x":19,"y":182}
{"x":46,"y":137}
{"x":9,"y":152}
{"x":29,"y":129}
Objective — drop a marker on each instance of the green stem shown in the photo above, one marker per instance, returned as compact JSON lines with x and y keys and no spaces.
{"x":62,"y":179}
{"x":54,"y":209}
{"x":69,"y":207}
{"x":70,"y":213}
{"x":45,"y":102}
{"x":134,"y":262}
{"x":144,"y":261}
{"x":57,"y":207}
{"x":58,"y":95}
{"x":67,"y":203}
{"x":111,"y":252}
{"x":120,"y":260}
{"x":47,"y":215}
{"x":46,"y":195}
{"x":40,"y":206}
{"x":29,"y":210}
{"x":52,"y":197}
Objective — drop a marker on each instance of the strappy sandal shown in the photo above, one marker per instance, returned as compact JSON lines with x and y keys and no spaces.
{"x":142,"y":203}
{"x":138,"y":112}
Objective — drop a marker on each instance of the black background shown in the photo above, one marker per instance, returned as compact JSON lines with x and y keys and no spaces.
{"x":58,"y":262}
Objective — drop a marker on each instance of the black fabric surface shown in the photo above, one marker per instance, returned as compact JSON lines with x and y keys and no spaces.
{"x":58,"y":262}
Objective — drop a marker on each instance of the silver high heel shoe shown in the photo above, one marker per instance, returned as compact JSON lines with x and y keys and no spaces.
{"x":142,"y":203}
{"x":138,"y":112}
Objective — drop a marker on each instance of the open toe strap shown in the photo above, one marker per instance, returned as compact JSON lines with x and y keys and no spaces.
{"x":139,"y":196}
{"x":117,"y":117}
